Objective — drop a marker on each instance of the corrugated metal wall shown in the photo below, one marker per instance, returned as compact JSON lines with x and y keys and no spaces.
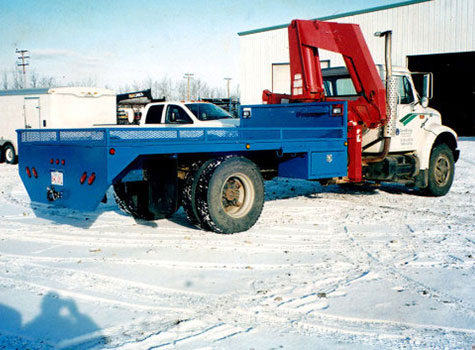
{"x":437,"y":26}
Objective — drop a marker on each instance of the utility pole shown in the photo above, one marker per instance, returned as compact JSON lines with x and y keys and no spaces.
{"x":23,"y":57}
{"x":188,"y":77}
{"x":228,"y":82}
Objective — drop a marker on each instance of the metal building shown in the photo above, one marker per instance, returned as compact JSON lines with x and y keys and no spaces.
{"x":435,"y":36}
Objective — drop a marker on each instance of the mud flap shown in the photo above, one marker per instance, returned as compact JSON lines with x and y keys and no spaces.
{"x":162,"y":186}
{"x":156,"y":196}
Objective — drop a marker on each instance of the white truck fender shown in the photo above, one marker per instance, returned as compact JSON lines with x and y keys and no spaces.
{"x":437,"y":134}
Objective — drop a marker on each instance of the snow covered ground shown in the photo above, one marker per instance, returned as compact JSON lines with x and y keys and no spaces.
{"x":324,"y":268}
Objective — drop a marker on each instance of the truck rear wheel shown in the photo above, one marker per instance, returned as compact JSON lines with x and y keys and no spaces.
{"x":230,"y":195}
{"x":188,"y":195}
{"x":441,"y":171}
{"x":131,"y":198}
{"x":154,"y":198}
{"x":9,"y":154}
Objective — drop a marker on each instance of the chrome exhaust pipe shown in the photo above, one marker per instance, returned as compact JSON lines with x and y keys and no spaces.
{"x":391,"y":99}
{"x":391,"y":85}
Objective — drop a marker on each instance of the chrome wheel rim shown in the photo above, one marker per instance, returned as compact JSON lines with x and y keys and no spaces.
{"x":442,"y":170}
{"x":237,"y":195}
{"x":9,"y":155}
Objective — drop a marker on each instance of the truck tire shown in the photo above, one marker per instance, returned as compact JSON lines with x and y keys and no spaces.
{"x":441,"y":171}
{"x":9,"y":154}
{"x":152,"y":199}
{"x":188,"y":194}
{"x":128,"y":199}
{"x":230,"y":195}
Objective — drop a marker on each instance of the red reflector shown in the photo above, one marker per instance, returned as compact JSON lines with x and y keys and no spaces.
{"x":63,"y":162}
{"x":28,"y":172}
{"x":57,"y":161}
{"x":83,"y":178}
{"x":35,"y":174}
{"x":112,"y":151}
{"x":91,"y":179}
{"x":51,"y":161}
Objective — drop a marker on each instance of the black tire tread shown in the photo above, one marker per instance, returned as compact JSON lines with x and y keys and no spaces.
{"x":433,"y":189}
{"x":126,"y":205}
{"x":202,"y":196}
{"x":188,"y":194}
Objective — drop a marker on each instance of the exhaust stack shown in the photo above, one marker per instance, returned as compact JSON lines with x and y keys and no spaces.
{"x":391,"y":86}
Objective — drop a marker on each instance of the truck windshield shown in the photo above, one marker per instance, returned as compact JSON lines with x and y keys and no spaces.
{"x":207,"y":111}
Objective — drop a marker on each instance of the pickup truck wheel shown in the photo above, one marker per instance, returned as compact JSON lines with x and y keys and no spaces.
{"x":441,"y":171}
{"x":188,"y":195}
{"x":9,"y":154}
{"x":230,"y":195}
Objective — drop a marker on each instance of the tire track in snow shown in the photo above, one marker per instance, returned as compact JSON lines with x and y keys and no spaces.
{"x":169,"y":264}
{"x":414,"y":285}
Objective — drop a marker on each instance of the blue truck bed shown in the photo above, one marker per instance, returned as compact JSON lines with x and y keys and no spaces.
{"x":81,"y":164}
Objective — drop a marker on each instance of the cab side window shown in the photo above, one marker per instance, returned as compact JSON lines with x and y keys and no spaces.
{"x":154,"y":115}
{"x":176,"y":115}
{"x":404,"y":90}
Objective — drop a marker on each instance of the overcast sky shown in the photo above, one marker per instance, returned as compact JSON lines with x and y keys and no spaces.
{"x":117,"y":42}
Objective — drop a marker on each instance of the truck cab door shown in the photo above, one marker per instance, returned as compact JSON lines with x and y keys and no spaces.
{"x":32,"y":113}
{"x":409,"y":110}
{"x":176,"y":115}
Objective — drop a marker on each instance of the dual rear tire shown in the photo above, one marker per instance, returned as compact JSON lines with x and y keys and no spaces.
{"x":224,"y":195}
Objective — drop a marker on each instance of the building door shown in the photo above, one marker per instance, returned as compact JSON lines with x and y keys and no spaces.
{"x":454,"y":87}
{"x":32,"y":112}
{"x":281,"y":78}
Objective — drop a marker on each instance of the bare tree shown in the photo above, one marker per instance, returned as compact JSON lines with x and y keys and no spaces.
{"x":5,"y":80}
{"x":180,"y":90}
{"x":88,"y":81}
{"x":46,"y":82}
{"x":177,"y":90}
{"x":34,"y":78}
{"x":17,"y":79}
{"x":163,"y":88}
{"x":199,"y":89}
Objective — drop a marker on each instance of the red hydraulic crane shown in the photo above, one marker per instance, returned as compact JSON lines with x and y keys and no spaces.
{"x":367,"y":110}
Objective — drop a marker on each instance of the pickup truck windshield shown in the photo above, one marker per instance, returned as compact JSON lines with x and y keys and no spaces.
{"x":207,"y":111}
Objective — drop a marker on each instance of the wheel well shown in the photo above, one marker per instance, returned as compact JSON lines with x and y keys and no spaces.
{"x":450,"y":141}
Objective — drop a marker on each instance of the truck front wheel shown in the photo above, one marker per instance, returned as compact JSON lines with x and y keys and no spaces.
{"x":230,"y":195}
{"x":441,"y":171}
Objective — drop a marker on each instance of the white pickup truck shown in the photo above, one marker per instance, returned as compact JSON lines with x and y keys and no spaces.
{"x":190,"y":114}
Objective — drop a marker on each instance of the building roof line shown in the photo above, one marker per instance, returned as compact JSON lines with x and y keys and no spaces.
{"x":346,"y":14}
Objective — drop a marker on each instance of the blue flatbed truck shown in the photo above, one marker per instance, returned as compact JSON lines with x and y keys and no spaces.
{"x":216,"y":174}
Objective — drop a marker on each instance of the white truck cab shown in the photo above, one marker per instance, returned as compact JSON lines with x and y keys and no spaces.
{"x":418,"y":136}
{"x":186,"y":114}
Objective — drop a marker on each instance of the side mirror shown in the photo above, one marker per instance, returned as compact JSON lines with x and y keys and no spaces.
{"x":426,"y":87}
{"x":423,"y":83}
